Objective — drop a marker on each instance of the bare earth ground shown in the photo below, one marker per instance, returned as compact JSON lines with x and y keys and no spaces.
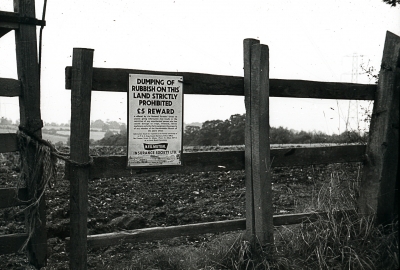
{"x":117,"y":204}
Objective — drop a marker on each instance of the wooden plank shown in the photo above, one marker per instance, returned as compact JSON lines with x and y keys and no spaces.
{"x":324,"y":90}
{"x":160,"y":233}
{"x":115,"y":166}
{"x":82,"y":60}
{"x":298,"y":218}
{"x":6,"y":27}
{"x":8,"y":142}
{"x":10,"y":87}
{"x":19,"y":18}
{"x":114,"y":80}
{"x":30,"y":119}
{"x":106,"y":79}
{"x":5,"y":24}
{"x":11,"y":243}
{"x":250,"y":215}
{"x":317,"y":155}
{"x":260,"y":151}
{"x":8,"y":197}
{"x":381,"y":172}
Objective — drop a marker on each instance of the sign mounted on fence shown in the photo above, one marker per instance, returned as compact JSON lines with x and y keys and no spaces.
{"x":155,"y":120}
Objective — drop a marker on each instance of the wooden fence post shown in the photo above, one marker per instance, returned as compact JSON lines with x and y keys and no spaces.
{"x":30,"y":117}
{"x":81,"y":86}
{"x":259,"y":211}
{"x":380,"y":173}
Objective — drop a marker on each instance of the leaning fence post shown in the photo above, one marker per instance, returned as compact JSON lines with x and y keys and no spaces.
{"x":380,"y":172}
{"x":259,"y":211}
{"x":81,"y":86}
{"x":30,"y":119}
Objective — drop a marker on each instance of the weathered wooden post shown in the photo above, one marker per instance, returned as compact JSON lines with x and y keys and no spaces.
{"x":81,"y":86}
{"x":30,"y":119}
{"x":381,"y":173}
{"x":259,"y":211}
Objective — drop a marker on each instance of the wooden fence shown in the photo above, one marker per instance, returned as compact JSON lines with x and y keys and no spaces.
{"x":380,"y":156}
{"x":27,"y":88}
{"x":379,"y":177}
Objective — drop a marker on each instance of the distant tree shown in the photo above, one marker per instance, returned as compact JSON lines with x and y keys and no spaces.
{"x":113,"y":124}
{"x":109,"y":133}
{"x":236,"y":129}
{"x":210,"y":132}
{"x":105,"y":127}
{"x":113,"y":140}
{"x":351,"y":137}
{"x":190,"y":135}
{"x":97,"y":124}
{"x":5,"y":121}
{"x":280,"y":135}
{"x":393,"y":3}
{"x":122,"y":129}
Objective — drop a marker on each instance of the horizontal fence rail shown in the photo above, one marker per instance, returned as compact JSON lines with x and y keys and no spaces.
{"x":9,"y":197}
{"x":116,"y":166}
{"x":159,"y":233}
{"x":10,"y":87}
{"x":8,"y":142}
{"x":114,"y":80}
{"x":8,"y":22}
{"x":12,"y":243}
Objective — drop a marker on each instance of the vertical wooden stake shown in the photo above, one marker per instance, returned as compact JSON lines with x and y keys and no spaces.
{"x":250,"y":220}
{"x":30,"y":117}
{"x":259,"y":210}
{"x":81,"y":86}
{"x":380,"y":172}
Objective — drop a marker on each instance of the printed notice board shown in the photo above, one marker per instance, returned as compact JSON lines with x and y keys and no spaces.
{"x":155,"y":108}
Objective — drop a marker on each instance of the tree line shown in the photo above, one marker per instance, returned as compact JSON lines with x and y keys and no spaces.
{"x":231,"y":132}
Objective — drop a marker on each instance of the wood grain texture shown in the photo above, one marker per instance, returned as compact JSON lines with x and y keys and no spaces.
{"x":30,"y":119}
{"x":8,"y":142}
{"x":115,"y":166}
{"x":248,"y":153}
{"x":260,"y":151}
{"x":115,"y":80}
{"x":11,"y":243}
{"x":159,"y":233}
{"x":80,"y":130}
{"x":380,"y":173}
{"x":7,"y":25}
{"x":10,"y":197}
{"x":10,"y":87}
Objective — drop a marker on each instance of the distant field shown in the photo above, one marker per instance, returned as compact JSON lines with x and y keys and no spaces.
{"x":6,"y":130}
{"x":54,"y":138}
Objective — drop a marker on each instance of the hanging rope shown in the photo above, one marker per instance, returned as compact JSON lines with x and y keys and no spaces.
{"x":38,"y":172}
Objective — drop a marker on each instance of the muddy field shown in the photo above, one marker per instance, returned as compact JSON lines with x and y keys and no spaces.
{"x":145,"y":201}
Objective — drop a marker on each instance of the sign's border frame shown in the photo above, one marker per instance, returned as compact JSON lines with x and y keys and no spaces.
{"x":127,"y":125}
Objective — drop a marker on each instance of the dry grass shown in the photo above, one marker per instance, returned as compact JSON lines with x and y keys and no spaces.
{"x":348,"y":241}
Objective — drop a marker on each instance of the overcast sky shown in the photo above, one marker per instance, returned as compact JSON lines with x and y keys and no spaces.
{"x":309,"y":40}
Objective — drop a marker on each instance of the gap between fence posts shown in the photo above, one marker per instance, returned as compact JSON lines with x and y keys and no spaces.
{"x":380,"y":173}
{"x":82,"y":73}
{"x":259,"y":211}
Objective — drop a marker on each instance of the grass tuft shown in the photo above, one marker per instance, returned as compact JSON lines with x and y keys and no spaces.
{"x":338,"y":241}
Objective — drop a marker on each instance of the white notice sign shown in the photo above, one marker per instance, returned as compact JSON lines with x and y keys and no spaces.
{"x":155,"y":108}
